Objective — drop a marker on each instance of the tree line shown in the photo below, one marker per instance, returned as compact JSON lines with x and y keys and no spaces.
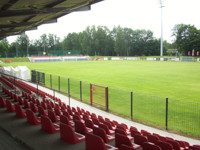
{"x":103,"y":42}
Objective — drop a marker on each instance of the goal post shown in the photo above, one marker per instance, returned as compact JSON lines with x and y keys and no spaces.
{"x":99,"y":95}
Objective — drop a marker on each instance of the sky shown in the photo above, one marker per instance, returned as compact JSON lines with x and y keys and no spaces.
{"x":134,"y":14}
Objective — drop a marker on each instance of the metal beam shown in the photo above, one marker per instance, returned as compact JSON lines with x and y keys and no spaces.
{"x":8,"y":5}
{"x":14,"y":13}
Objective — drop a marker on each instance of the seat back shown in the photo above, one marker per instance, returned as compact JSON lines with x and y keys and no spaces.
{"x":26,"y":104}
{"x":19,"y":111}
{"x":44,"y":105}
{"x":47,"y":125}
{"x":152,"y":139}
{"x":21,"y":101}
{"x":100,"y":132}
{"x":94,"y":142}
{"x":117,"y":130}
{"x":122,"y":139}
{"x":95,"y":121}
{"x":31,"y":118}
{"x":89,"y":123}
{"x":2,"y":102}
{"x":67,"y":134}
{"x":108,"y":123}
{"x":42,"y":111}
{"x":64,"y":120}
{"x":52,"y":116}
{"x":134,"y":132}
{"x":175,"y":144}
{"x":57,"y":111}
{"x":34,"y":108}
{"x":150,"y":146}
{"x":104,"y":127}
{"x":76,"y":117}
{"x":80,"y":127}
{"x":133,"y":128}
{"x":164,"y":145}
{"x":139,"y":139}
{"x":145,"y":133}
{"x":10,"y":106}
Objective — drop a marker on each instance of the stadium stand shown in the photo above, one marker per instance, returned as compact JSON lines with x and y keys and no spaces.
{"x":97,"y":130}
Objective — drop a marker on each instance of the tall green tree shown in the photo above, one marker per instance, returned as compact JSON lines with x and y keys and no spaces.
{"x":187,"y":38}
{"x":22,"y":45}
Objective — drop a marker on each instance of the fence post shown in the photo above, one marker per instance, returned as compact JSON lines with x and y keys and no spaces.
{"x":37,"y":89}
{"x":81,"y":90}
{"x":90,"y":93}
{"x":15,"y":86}
{"x":59,"y":83}
{"x":107,"y":104}
{"x":51,"y":80}
{"x":166,"y":121}
{"x":131,"y":105}
{"x":69,"y":90}
{"x":54,"y":95}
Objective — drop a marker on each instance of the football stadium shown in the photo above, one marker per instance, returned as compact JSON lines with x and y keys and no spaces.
{"x":68,"y":100}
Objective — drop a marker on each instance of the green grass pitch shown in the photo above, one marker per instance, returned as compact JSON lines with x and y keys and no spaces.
{"x":150,"y":81}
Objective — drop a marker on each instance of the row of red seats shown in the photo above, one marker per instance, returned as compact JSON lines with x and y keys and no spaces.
{"x":8,"y":83}
{"x":30,"y":89}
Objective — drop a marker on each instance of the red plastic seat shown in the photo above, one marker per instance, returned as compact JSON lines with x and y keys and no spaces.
{"x":100,"y":132}
{"x":175,"y":144}
{"x":58,"y":112}
{"x":150,"y":146}
{"x":44,"y":105}
{"x":21,"y":101}
{"x":42,"y":111}
{"x":65,"y":120}
{"x":81,"y":128}
{"x":19,"y":111}
{"x":122,"y":127}
{"x":133,"y":128}
{"x":95,"y":121}
{"x":109,"y":124}
{"x":31,"y":118}
{"x":145,"y":133}
{"x":122,"y":139}
{"x":53,"y":117}
{"x":134,"y":132}
{"x":76,"y":117}
{"x":101,"y":119}
{"x":10,"y":106}
{"x":153,"y":139}
{"x":27,"y":104}
{"x":34,"y":108}
{"x":65,"y":113}
{"x":105,"y":127}
{"x":2,"y":102}
{"x":68,"y":135}
{"x":94,"y":142}
{"x":139,"y":139}
{"x":89,"y":123}
{"x":123,"y":133}
{"x":165,"y":145}
{"x":48,"y":126}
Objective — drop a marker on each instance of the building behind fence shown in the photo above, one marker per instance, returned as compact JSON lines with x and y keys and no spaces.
{"x":171,"y":114}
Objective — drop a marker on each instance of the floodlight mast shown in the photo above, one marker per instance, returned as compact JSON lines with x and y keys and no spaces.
{"x":161,"y":41}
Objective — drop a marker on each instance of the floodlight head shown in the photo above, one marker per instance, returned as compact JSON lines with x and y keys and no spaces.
{"x":161,"y":3}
